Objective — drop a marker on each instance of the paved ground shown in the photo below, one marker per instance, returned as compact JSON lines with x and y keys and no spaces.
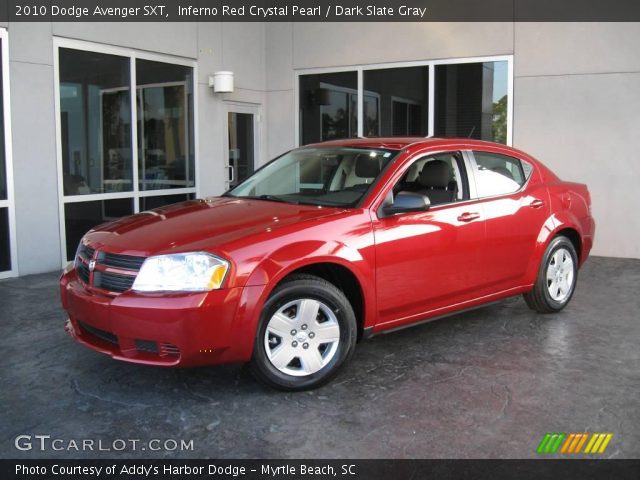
{"x":488,"y":383}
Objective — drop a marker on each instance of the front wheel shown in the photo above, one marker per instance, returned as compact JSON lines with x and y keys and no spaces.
{"x":557,"y":277}
{"x":307,"y":331}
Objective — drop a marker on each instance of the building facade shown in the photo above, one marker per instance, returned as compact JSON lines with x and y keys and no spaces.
{"x":102,"y":120}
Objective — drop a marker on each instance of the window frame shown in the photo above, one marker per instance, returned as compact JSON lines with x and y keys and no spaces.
{"x":136,"y":193}
{"x":467,"y":179}
{"x":361,"y":68}
{"x":9,"y":202}
{"x":474,"y":169}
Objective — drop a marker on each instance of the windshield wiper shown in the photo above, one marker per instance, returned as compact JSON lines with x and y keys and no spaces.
{"x":273,"y":198}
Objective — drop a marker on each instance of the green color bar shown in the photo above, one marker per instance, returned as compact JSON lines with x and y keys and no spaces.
{"x":543,"y":443}
{"x":558,"y":442}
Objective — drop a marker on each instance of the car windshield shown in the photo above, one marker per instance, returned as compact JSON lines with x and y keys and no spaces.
{"x":333,"y":177}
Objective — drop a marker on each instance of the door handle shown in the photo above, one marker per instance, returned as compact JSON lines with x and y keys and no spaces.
{"x":537,"y":203}
{"x":232,"y":174}
{"x":468,"y":216}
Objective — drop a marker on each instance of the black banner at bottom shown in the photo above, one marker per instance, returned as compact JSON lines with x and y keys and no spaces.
{"x":320,"y":469}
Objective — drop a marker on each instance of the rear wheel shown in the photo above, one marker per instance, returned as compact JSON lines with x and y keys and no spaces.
{"x":556,"y":279}
{"x":307,"y":330}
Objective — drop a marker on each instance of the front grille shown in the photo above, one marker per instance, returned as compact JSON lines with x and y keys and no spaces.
{"x":86,"y":252}
{"x":98,"y":333}
{"x":83,"y":271}
{"x":128,"y":262}
{"x":112,"y":282}
{"x":169,"y":349}
{"x":106,"y":280}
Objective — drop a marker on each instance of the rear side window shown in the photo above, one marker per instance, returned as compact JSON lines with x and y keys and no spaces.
{"x":499,"y":174}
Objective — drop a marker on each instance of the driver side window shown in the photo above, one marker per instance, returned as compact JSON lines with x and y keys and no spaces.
{"x":439,"y":177}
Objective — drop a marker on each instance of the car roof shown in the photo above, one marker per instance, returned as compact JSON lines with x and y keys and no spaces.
{"x":399,"y":143}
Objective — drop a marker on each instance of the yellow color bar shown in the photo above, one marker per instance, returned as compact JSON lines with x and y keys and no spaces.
{"x":582,"y":440}
{"x":591,"y":442}
{"x":596,"y":445}
{"x":606,"y":441}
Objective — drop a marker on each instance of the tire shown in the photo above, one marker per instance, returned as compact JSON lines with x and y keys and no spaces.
{"x":554,"y":286}
{"x":300,"y":313}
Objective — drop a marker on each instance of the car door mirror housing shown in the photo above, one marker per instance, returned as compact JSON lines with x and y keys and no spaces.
{"x":405,"y":202}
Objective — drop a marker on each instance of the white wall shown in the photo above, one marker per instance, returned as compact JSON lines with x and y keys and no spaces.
{"x":577,"y":108}
{"x":576,"y":94}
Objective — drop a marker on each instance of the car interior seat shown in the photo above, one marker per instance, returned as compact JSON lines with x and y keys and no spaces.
{"x":365,"y":170}
{"x":436,"y":180}
{"x":503,"y":171}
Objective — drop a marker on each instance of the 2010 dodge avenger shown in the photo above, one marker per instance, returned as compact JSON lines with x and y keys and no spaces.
{"x":325,"y":245}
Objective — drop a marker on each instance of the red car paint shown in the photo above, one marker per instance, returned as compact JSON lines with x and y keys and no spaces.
{"x":410,"y":267}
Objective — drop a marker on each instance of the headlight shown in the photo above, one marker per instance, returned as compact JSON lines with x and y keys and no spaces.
{"x":181,"y":272}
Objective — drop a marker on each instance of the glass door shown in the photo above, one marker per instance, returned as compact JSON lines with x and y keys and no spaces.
{"x":8,"y":265}
{"x":242,"y":140}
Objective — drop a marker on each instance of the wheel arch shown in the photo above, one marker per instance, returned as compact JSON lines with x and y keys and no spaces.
{"x":337,"y":270}
{"x":557,"y":224}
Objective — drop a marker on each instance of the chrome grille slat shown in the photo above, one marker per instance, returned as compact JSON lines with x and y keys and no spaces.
{"x":83,"y":272}
{"x":103,"y":279}
{"x":112,"y":282}
{"x":86,"y":252}
{"x":128,"y":262}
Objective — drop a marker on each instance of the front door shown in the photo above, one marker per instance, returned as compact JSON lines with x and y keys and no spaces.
{"x":429,"y":260}
{"x":241,"y":142}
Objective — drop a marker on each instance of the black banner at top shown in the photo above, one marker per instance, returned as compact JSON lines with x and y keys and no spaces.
{"x":319,"y":10}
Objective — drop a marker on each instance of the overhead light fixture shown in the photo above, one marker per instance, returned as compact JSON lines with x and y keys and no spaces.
{"x":222,"y":82}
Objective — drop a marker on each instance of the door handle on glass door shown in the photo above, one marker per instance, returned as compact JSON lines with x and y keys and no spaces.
{"x":232,"y":174}
{"x":468,"y":216}
{"x":537,"y":203}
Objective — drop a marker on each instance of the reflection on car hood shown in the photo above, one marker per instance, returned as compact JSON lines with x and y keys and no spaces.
{"x":201,"y":224}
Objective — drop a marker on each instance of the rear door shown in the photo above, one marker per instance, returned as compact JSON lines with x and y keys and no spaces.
{"x":514,"y":205}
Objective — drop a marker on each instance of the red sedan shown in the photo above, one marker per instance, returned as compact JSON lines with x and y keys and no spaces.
{"x":325,"y":245}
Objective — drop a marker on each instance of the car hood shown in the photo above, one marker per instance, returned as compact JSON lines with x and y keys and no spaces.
{"x":211,"y":223}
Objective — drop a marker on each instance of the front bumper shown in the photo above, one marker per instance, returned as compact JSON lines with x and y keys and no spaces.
{"x":168,"y":329}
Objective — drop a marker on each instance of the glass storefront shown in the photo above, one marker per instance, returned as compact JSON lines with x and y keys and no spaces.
{"x":469,"y":99}
{"x":98,"y":157}
{"x":5,"y":206}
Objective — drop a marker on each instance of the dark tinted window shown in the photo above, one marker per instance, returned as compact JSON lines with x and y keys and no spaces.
{"x":5,"y":252}
{"x":95,"y":122}
{"x":81,"y":217}
{"x":396,"y":101}
{"x":328,"y":106}
{"x":471,"y":100}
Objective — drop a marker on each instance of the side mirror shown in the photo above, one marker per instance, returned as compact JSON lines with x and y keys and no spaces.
{"x":405,"y":202}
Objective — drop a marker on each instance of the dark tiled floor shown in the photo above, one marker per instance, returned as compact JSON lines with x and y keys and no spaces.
{"x":488,"y":383}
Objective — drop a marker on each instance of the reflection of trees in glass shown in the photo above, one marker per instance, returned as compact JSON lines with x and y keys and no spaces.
{"x":115,"y":134}
{"x":500,"y":120}
{"x":334,"y":126}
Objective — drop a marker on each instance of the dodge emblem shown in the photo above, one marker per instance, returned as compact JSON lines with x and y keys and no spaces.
{"x":92,"y":265}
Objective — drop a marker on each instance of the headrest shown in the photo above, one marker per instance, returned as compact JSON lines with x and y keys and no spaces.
{"x":367,"y":167}
{"x":503,"y":171}
{"x":436,"y":174}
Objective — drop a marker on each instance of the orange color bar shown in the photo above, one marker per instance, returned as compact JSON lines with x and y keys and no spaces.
{"x":582,"y":440}
{"x":567,"y":442}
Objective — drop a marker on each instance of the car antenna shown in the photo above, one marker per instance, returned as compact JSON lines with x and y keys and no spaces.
{"x":471,"y":132}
